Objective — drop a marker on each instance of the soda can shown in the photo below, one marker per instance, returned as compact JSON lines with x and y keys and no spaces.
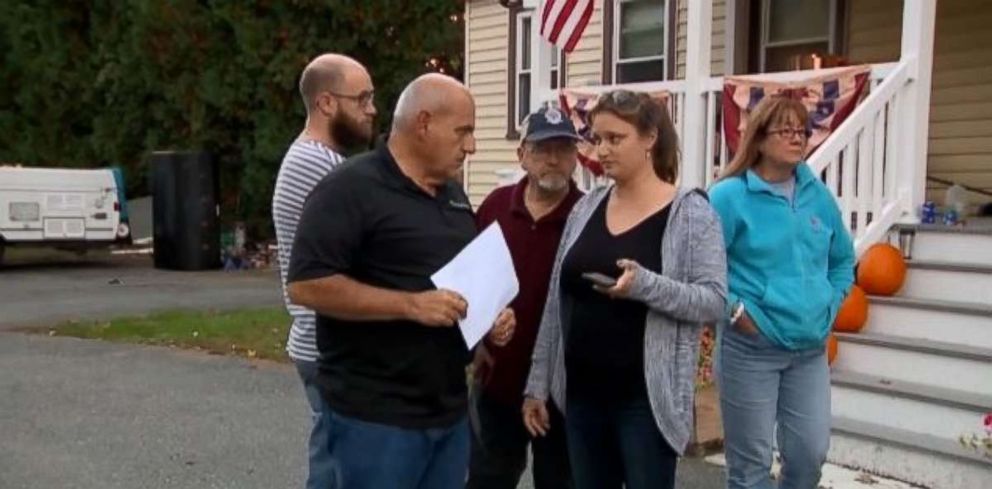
{"x":928,"y":214}
{"x":950,"y":217}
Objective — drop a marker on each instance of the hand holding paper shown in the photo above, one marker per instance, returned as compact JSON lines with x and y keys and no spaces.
{"x":483,"y":275}
{"x":438,"y":308}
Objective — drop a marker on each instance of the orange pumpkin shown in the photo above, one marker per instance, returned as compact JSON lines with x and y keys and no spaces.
{"x":882,"y":270}
{"x":831,"y":349}
{"x":853,"y":312}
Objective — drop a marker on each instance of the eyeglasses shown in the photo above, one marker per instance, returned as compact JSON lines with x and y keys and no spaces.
{"x":790,"y":132}
{"x":364,"y":98}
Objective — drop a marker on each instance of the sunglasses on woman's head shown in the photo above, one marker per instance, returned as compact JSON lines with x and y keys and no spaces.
{"x":622,"y":97}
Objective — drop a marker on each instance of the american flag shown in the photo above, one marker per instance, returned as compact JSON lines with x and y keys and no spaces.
{"x":563,"y":21}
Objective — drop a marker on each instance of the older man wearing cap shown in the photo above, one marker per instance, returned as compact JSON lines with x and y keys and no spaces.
{"x":532,"y":214}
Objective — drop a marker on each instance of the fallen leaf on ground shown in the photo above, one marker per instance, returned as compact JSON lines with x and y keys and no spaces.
{"x":865,"y":478}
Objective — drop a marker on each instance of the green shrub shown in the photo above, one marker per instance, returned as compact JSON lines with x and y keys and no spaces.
{"x":93,"y":83}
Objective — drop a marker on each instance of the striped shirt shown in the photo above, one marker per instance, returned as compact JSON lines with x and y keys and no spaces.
{"x":306,"y":163}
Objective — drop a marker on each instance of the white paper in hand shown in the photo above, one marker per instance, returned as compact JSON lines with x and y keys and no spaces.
{"x":483,"y":274}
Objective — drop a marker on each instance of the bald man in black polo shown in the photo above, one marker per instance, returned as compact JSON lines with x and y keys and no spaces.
{"x":392,"y":364}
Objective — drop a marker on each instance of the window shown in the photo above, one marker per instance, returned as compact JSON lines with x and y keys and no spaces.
{"x":641,"y":37}
{"x":523,"y":70}
{"x":521,"y":29}
{"x":796,"y":32}
{"x":555,"y":57}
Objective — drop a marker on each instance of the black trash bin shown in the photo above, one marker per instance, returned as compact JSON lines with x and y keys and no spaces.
{"x":185,"y":210}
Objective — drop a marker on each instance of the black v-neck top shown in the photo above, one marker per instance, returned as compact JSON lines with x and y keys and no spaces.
{"x":604,"y":347}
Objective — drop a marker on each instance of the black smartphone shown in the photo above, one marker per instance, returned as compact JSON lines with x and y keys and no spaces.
{"x":600,"y":279}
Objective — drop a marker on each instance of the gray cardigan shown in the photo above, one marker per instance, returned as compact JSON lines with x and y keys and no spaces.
{"x":690,"y":291}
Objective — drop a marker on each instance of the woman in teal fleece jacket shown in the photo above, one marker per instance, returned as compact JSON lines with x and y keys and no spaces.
{"x":790,"y":264}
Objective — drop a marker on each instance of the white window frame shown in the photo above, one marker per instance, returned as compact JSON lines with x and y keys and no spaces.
{"x":766,"y":14}
{"x":617,"y":14}
{"x":519,"y":70}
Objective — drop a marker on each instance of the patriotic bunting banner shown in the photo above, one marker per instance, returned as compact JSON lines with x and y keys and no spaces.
{"x":829,"y":95}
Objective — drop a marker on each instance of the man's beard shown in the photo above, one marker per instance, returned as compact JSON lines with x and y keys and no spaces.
{"x":552,"y":183}
{"x":349,"y":133}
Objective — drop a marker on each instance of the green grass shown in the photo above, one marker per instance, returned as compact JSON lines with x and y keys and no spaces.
{"x":254,"y":333}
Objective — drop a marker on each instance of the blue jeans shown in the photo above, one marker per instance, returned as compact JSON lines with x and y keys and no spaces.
{"x":762,"y":384}
{"x":616,"y":443}
{"x":377,"y":456}
{"x":321,"y":471}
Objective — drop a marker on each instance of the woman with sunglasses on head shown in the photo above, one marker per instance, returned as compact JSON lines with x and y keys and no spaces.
{"x":790,"y":265}
{"x":624,"y":344}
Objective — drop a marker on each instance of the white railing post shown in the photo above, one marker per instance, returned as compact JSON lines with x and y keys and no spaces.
{"x":917,"y":49}
{"x":697,"y":66}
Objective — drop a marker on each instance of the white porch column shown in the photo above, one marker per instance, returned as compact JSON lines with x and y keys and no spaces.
{"x":917,"y":49}
{"x":697,"y":66}
{"x":540,"y":78}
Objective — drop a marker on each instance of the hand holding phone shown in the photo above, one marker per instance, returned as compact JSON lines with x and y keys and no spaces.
{"x":599,"y":279}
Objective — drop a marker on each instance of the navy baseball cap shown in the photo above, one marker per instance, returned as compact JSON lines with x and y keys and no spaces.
{"x":548,"y":123}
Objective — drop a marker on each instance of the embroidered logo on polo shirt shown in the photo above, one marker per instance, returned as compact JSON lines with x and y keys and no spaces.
{"x":553,"y":116}
{"x":465,"y":206}
{"x":814,"y":222}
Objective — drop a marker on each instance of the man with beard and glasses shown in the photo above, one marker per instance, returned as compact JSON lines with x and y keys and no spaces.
{"x":532,"y":214}
{"x":338,"y":96}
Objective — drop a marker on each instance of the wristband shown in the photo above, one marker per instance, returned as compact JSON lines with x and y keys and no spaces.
{"x":738,"y":312}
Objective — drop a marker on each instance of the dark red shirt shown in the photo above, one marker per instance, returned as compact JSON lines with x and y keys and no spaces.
{"x":533,"y":245}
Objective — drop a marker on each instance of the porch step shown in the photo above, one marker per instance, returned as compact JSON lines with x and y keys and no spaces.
{"x":948,"y":281}
{"x":983,"y":228}
{"x":968,"y":401}
{"x":921,"y":459}
{"x":971,"y":244}
{"x":949,"y":266}
{"x":961,"y":323}
{"x":965,"y":368}
{"x":915,"y":408}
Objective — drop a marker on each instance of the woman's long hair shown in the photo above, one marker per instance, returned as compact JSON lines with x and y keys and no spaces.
{"x":771,"y":110}
{"x":647,"y":115}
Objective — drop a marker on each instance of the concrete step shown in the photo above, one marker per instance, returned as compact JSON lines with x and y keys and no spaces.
{"x":924,"y":460}
{"x":915,"y":408}
{"x":960,"y":323}
{"x":948,"y":281}
{"x":963,"y":368}
{"x":833,"y":476}
{"x":968,"y":245}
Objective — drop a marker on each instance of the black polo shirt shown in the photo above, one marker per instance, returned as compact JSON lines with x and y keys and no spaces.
{"x":368,"y":221}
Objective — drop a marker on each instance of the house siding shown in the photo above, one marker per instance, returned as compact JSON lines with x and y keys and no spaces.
{"x":718,"y":33}
{"x":486,"y":70}
{"x":961,"y":101}
{"x":960,"y":142}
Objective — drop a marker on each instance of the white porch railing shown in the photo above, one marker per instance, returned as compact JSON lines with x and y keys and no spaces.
{"x":857,"y":161}
{"x":860,"y":162}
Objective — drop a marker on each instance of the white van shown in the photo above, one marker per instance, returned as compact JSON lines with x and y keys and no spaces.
{"x":63,"y":208}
